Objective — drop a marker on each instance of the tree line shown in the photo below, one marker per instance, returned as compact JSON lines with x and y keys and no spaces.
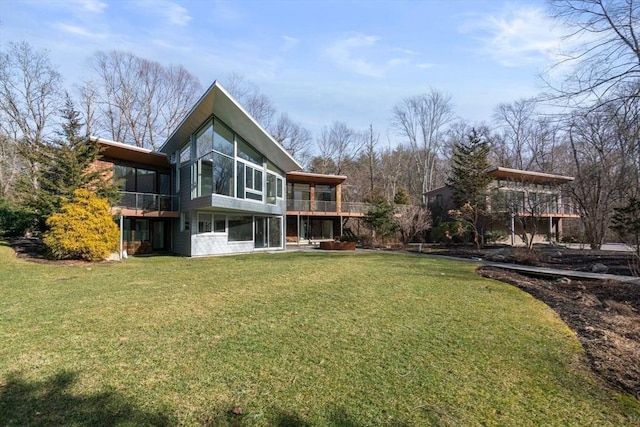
{"x":593,"y":133}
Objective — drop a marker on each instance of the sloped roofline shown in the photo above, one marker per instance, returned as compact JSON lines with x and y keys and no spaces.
{"x":318,"y":178}
{"x":131,"y":153}
{"x":217,"y":101}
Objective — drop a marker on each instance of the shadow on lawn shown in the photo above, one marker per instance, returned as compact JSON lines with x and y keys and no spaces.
{"x":50,"y":403}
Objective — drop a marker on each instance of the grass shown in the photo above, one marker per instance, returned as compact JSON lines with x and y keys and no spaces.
{"x":316,"y":339}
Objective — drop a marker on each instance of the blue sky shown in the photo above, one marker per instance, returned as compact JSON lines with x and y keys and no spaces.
{"x":319,"y":61}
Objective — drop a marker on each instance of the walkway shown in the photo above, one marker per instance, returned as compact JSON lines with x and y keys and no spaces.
{"x":556,"y":272}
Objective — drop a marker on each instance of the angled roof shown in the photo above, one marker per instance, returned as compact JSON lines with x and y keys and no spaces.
{"x":130,"y":153}
{"x":316,"y":178}
{"x":219,"y":102}
{"x":527,"y":176}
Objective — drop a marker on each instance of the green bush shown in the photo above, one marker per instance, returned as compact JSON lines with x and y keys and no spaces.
{"x":450,"y":232}
{"x":83,"y":229}
{"x":15,"y":220}
{"x":495,"y":236}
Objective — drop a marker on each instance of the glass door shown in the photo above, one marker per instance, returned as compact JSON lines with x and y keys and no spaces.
{"x":260,"y":238}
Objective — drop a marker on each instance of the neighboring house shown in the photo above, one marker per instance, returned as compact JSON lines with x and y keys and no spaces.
{"x":315,"y":209}
{"x":520,"y":202}
{"x":217,"y":186}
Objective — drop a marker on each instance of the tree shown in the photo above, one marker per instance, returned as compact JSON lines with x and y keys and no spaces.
{"x":258,"y":105}
{"x":338,"y":145}
{"x":603,"y":48}
{"x":421,"y":120}
{"x":411,"y":221}
{"x":83,"y":229}
{"x":401,"y":197}
{"x":66,"y":164}
{"x":626,"y":222}
{"x":293,"y":137}
{"x":135,"y":100}
{"x":30,"y":93}
{"x":599,"y":166}
{"x":468,"y":181}
{"x":380,"y":218}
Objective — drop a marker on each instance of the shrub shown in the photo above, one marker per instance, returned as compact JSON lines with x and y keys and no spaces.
{"x":451,"y":232}
{"x":16,"y":221}
{"x":495,"y":236}
{"x":83,"y":229}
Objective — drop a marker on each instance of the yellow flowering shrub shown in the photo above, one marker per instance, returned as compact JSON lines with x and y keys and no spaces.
{"x":83,"y":229}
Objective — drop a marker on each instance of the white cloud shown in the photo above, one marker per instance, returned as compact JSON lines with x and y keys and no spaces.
{"x":360,"y":54}
{"x":516,"y":36}
{"x":289,"y":42}
{"x":79,"y":31}
{"x":168,"y":10}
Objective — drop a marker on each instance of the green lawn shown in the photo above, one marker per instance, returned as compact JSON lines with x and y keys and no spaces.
{"x":355,"y":339}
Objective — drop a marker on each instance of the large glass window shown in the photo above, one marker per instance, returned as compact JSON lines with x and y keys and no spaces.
{"x":275,"y":232}
{"x":126,"y":176}
{"x":246,"y":152}
{"x":272,"y":183}
{"x":219,"y":224}
{"x":204,"y":222}
{"x":240,"y":228}
{"x":185,"y":154}
{"x":204,"y":140}
{"x":205,"y":176}
{"x":222,"y":139}
{"x":223,"y":174}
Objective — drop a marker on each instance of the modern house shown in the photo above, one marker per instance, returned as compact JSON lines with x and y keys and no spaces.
{"x":216,"y":186}
{"x":521,"y":202}
{"x":315,"y":209}
{"x":147,"y":206}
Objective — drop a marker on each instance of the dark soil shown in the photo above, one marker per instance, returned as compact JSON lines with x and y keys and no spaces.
{"x":604,"y":314}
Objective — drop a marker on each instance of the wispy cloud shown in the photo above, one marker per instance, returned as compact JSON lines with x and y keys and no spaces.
{"x":289,"y":42}
{"x":356,"y":54}
{"x":518,"y":35}
{"x":168,"y":10}
{"x":78,"y":31}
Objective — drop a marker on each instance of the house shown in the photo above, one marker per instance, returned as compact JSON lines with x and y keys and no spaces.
{"x":520,"y":203}
{"x":216,"y":186}
{"x":315,"y":209}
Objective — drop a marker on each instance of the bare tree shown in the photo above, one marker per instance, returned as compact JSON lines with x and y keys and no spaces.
{"x":258,"y":105}
{"x":30,"y":94}
{"x":293,"y":137}
{"x":421,"y":120}
{"x":603,"y":48}
{"x":135,"y":100}
{"x":339,"y":144}
{"x":412,"y":221}
{"x":599,"y":169}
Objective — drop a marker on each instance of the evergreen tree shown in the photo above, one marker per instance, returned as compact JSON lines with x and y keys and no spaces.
{"x":380,"y":218}
{"x":468,"y":181}
{"x":65,"y":165}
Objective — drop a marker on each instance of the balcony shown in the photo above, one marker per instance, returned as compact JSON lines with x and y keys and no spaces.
{"x":567,"y":210}
{"x":148,"y":204}
{"x":322,"y":207}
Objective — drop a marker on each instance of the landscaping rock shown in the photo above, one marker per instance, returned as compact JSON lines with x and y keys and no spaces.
{"x":599,"y":268}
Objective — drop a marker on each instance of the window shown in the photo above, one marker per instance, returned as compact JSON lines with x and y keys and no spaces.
{"x":279,"y":188}
{"x":205,"y":178}
{"x":222,"y":139}
{"x":275,"y":232}
{"x":185,"y":154}
{"x":222,"y":174}
{"x":253,"y":183}
{"x":204,"y":222}
{"x":184,"y":221}
{"x":272,"y":182}
{"x":219,"y":224}
{"x":240,"y":228}
{"x":246,"y":152}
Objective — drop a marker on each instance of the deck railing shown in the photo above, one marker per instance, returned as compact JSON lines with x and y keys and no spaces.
{"x":148,"y":202}
{"x":322,"y":206}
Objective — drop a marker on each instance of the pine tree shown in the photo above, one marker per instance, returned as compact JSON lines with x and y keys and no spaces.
{"x":65,"y":165}
{"x":468,"y":181}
